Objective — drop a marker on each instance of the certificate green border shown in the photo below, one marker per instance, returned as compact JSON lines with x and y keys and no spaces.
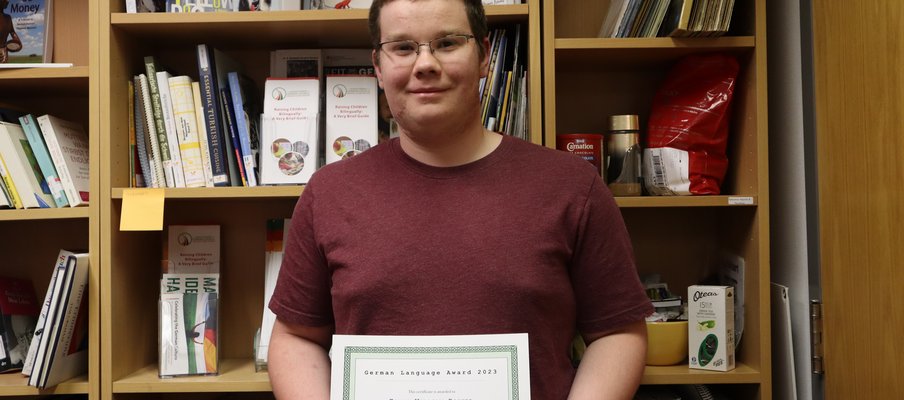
{"x":353,"y":351}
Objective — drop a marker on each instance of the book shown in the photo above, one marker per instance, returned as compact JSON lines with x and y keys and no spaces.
{"x":186,"y":124}
{"x":341,"y":4}
{"x":19,"y":310}
{"x":246,"y":104}
{"x":277,"y":235}
{"x":191,"y":6}
{"x":133,"y":173}
{"x":202,"y":134}
{"x":233,"y":147}
{"x":23,"y":168}
{"x":192,"y":249}
{"x":290,"y":130}
{"x":65,"y":336}
{"x":162,"y":137}
{"x":614,"y":13}
{"x":5,"y":201}
{"x":351,"y":115}
{"x":39,"y":149}
{"x":169,"y":121}
{"x":296,"y":63}
{"x":213,"y":125}
{"x":67,"y":144}
{"x":223,"y":64}
{"x":142,"y":170}
{"x":8,"y":186}
{"x":152,"y":146}
{"x":676,"y":18}
{"x":45,"y":308}
{"x":30,"y":36}
{"x":188,"y":334}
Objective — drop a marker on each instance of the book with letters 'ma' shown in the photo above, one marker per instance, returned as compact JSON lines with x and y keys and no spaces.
{"x":22,"y":168}
{"x":19,"y":311}
{"x":67,"y":144}
{"x":188,"y":324}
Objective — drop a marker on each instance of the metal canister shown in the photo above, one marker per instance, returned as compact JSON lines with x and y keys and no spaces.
{"x":623,"y":155}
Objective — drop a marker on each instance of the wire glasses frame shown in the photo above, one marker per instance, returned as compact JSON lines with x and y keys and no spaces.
{"x":406,"y":51}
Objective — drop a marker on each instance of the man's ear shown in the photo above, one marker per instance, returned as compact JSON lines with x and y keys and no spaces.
{"x":375,"y":59}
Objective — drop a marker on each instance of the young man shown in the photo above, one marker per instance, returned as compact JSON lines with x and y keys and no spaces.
{"x":453,"y":230}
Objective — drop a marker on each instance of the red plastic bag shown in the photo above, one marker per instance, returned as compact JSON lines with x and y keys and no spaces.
{"x":687,"y":133}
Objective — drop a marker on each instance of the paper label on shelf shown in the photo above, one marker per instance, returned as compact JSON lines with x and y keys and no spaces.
{"x":142,"y":210}
{"x":740,"y":201}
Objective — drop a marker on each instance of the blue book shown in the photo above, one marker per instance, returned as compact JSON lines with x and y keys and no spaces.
{"x":233,"y":148}
{"x":53,"y":185}
{"x":247,"y":113}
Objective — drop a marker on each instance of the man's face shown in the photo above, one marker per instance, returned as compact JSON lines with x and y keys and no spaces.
{"x":427,"y":90}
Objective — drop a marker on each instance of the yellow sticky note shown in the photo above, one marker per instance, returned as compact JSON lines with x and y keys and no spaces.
{"x":142,"y":210}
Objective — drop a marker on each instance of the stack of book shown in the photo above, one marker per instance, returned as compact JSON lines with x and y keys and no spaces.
{"x":43,"y":163}
{"x":277,"y":236}
{"x":503,"y":93}
{"x":47,"y":341}
{"x":675,"y":18}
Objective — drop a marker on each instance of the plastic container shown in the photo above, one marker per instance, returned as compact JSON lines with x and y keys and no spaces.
{"x":624,"y":155}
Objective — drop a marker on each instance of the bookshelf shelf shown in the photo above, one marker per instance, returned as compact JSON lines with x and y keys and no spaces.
{"x":681,"y":374}
{"x":597,"y":53}
{"x":41,"y":81}
{"x":237,"y":375}
{"x":227,"y":192}
{"x":45,"y":213}
{"x":15,"y":384}
{"x":687,"y":201}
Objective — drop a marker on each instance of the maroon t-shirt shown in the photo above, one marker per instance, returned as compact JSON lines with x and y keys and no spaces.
{"x":527,"y":239}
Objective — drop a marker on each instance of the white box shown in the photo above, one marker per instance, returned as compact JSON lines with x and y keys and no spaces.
{"x":711,"y":327}
{"x":351,"y":115}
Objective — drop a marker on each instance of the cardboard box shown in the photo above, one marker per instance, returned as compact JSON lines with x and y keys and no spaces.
{"x":711,"y":327}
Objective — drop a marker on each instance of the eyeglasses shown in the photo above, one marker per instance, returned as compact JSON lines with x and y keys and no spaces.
{"x":406,"y":51}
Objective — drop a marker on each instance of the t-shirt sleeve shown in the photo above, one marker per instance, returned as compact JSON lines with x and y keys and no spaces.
{"x":603,"y":272}
{"x":302,"y":293}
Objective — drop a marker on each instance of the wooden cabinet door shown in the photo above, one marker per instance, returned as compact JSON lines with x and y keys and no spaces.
{"x":859,"y":105}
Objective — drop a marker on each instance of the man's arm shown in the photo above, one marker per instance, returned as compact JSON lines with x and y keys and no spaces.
{"x":298,"y":364}
{"x":612,"y":365}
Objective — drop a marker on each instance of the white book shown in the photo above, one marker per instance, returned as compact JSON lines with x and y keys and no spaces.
{"x":290,"y":130}
{"x":65,"y":329}
{"x":67,"y":144}
{"x":186,"y":124}
{"x":296,"y":63}
{"x":351,"y":115}
{"x":22,"y":167}
{"x":272,"y":262}
{"x":156,"y":173}
{"x":42,"y":317}
{"x":202,"y":134}
{"x":169,"y":120}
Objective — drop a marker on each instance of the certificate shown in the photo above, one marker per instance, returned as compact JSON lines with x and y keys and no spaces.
{"x":468,"y":367}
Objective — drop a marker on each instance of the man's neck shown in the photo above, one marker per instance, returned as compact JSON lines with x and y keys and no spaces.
{"x":450,"y":149}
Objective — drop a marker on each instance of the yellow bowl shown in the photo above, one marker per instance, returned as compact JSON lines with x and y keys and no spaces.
{"x":666,"y":342}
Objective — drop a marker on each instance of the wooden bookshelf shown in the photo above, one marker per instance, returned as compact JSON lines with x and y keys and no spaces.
{"x":131,"y":260}
{"x":587,"y":78}
{"x":33,"y":238}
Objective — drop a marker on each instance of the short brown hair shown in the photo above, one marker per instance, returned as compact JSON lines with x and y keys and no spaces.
{"x":476,"y":19}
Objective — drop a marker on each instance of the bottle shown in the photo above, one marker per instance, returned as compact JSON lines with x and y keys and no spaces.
{"x":624,"y":155}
